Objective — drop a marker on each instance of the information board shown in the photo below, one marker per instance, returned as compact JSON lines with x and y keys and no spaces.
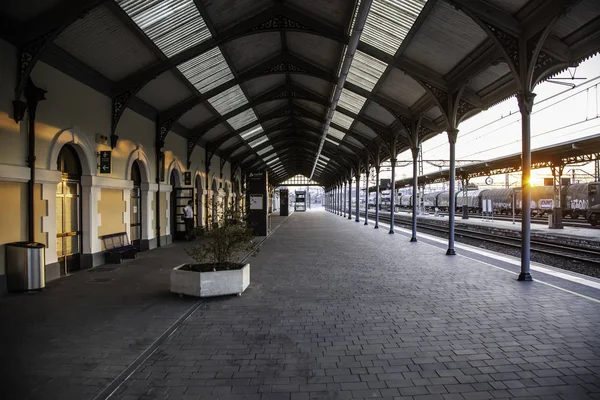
{"x":256,"y":201}
{"x":105,"y":158}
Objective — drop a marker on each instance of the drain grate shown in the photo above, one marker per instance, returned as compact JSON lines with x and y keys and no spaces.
{"x":100,"y":280}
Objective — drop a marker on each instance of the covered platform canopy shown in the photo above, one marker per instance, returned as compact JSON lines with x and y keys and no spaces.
{"x":308,"y":87}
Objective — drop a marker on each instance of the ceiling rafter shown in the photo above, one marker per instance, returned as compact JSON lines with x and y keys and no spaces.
{"x":283,"y":91}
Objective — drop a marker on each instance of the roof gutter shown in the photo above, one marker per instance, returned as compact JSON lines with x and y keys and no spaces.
{"x":359,"y":23}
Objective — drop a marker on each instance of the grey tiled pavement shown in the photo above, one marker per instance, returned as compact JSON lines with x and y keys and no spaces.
{"x":337,"y":310}
{"x":73,"y":339}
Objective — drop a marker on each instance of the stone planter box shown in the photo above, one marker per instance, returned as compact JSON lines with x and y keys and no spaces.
{"x":208,"y":284}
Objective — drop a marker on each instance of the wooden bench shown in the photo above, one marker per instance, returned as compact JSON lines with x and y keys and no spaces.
{"x":117,"y":247}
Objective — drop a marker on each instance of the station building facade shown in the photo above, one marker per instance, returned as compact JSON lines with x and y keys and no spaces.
{"x":74,"y":203}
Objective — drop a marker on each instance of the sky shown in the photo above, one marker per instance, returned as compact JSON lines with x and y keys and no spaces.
{"x":560,"y":114}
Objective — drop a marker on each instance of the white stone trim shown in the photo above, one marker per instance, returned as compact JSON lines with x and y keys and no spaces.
{"x":174,"y":166}
{"x":106,"y":183}
{"x":84,"y":149}
{"x":149,"y":187}
{"x":47,"y":176}
{"x":14,"y":173}
{"x":126,"y":217}
{"x":138,"y":155}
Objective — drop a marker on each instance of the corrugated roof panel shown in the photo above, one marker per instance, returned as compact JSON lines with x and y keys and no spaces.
{"x":196,"y":116}
{"x":389,"y":21}
{"x":252,"y":132}
{"x":230,"y":143}
{"x":173,"y":25}
{"x":258,"y":141}
{"x":165,"y":91}
{"x":270,"y":156}
{"x":342,"y":120}
{"x":106,"y":44}
{"x":336,"y":133}
{"x":351,"y":101}
{"x":228,"y":100}
{"x":365,"y":71}
{"x":331,"y":141}
{"x":239,"y":151}
{"x":242,"y":119}
{"x":265,"y":150}
{"x":206,"y":71}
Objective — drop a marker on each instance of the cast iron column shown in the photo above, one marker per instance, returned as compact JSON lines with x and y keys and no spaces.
{"x":392,"y":195}
{"x":377,"y":197}
{"x":367,"y":197}
{"x":452,"y":135}
{"x":525,"y":106}
{"x":33,"y":95}
{"x":357,"y":197}
{"x":415,"y":154}
{"x":344,"y":200}
{"x":350,"y":197}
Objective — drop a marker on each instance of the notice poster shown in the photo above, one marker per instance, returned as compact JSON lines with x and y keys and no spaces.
{"x":256,"y":201}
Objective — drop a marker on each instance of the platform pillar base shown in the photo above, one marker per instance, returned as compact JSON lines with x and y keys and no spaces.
{"x":450,"y":252}
{"x":413,"y":240}
{"x":525,"y":276}
{"x":391,"y":232}
{"x":376,"y":227}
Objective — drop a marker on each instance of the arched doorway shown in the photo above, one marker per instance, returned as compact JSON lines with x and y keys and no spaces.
{"x":199,"y":194}
{"x":68,"y":211}
{"x":135,"y":211}
{"x":179,"y":199}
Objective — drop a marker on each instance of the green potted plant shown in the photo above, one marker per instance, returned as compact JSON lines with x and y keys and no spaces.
{"x":216,"y":271}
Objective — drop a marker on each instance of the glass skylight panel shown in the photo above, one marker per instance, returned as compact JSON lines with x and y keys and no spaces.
{"x":173,"y":25}
{"x":206,"y":71}
{"x":365,"y":70}
{"x":342,"y":120}
{"x":336,"y":133}
{"x":273,"y":161}
{"x":321,"y":162}
{"x":265,"y":150}
{"x":242,"y":119}
{"x":252,"y":132}
{"x":228,"y":100}
{"x":325,"y":157}
{"x":258,"y":141}
{"x":270,"y":156}
{"x":351,"y":101}
{"x":389,"y":21}
{"x":331,"y":141}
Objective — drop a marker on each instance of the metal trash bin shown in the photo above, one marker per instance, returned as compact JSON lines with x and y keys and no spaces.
{"x":25,"y":266}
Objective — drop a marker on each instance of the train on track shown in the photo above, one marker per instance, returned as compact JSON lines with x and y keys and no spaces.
{"x":578,"y":200}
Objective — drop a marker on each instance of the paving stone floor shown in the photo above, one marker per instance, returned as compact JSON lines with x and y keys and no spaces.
{"x":71,"y":340}
{"x":338,"y":310}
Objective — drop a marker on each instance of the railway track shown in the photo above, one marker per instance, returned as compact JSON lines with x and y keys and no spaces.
{"x":549,"y":249}
{"x":576,"y":223}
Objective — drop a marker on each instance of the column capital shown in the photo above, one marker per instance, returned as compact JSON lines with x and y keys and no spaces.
{"x":415,"y":151}
{"x":452,"y":135}
{"x":525,"y":100}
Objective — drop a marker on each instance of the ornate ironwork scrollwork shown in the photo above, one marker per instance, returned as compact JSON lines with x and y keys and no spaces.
{"x":280,"y":22}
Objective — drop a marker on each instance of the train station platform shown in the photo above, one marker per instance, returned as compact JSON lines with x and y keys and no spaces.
{"x":583,"y":235}
{"x":335,"y":310}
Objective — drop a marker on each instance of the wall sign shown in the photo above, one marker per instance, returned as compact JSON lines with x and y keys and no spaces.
{"x":105,"y":158}
{"x":256,"y":201}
